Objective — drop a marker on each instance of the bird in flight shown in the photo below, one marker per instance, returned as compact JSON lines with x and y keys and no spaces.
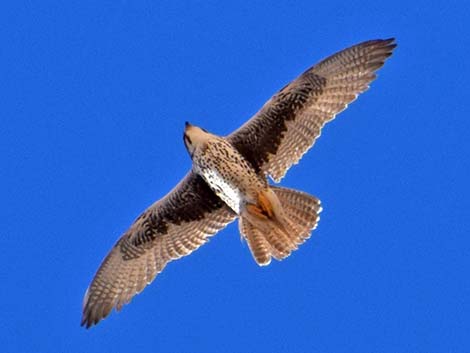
{"x":229,"y":180}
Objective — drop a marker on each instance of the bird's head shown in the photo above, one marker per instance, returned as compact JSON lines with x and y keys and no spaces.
{"x":194,"y":137}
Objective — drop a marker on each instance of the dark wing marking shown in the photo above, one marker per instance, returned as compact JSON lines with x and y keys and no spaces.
{"x":171,"y":228}
{"x":290,"y":122}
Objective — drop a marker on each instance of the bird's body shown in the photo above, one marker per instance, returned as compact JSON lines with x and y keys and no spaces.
{"x":225,"y":170}
{"x":265,"y":225}
{"x":228,"y":181}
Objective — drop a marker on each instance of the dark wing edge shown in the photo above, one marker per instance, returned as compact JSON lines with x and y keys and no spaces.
{"x":171,"y":228}
{"x":288,"y":124}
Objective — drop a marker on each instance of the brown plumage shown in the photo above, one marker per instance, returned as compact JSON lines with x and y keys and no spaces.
{"x":171,"y":228}
{"x":229,"y":181}
{"x":290,"y":122}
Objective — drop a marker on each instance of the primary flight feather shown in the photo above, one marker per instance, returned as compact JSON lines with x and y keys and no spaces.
{"x":228,"y":180}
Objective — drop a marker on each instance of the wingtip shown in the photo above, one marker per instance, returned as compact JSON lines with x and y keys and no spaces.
{"x":388,"y":42}
{"x":90,"y":315}
{"x":85,"y":323}
{"x":382,"y":48}
{"x":390,"y":45}
{"x":89,"y":321}
{"x":391,"y":42}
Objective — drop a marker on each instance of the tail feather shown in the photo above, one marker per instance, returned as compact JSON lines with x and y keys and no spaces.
{"x":294,"y":215}
{"x":301,"y":209}
{"x":280,"y":241}
{"x":259,"y":246}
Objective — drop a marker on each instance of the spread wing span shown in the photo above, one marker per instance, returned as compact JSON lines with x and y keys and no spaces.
{"x":288,"y":124}
{"x":171,"y":228}
{"x":272,"y":141}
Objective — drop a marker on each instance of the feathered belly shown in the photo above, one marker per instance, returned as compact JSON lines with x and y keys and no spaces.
{"x":228,"y":191}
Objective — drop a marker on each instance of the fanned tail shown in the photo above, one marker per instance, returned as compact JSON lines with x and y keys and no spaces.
{"x":281,"y":221}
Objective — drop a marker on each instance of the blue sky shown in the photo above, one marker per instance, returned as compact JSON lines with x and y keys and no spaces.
{"x":94,"y":99}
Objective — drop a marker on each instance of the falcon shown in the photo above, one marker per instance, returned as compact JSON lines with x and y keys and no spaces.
{"x":229,"y":180}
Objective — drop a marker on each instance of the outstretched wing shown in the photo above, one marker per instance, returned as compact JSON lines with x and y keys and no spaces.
{"x":171,"y":228}
{"x":290,"y":122}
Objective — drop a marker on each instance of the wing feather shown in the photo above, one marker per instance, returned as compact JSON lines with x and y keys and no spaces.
{"x":171,"y":228}
{"x":287,"y":126}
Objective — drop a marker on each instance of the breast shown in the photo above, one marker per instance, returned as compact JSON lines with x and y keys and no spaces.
{"x":227,"y":173}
